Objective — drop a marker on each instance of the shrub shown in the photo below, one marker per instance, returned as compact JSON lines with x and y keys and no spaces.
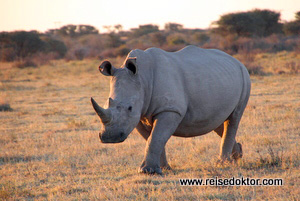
{"x":43,"y":58}
{"x":25,"y":63}
{"x":175,"y":39}
{"x":292,"y":28}
{"x":122,"y":51}
{"x":113,"y":40}
{"x":254,"y":69}
{"x":5,"y":107}
{"x":201,"y":38}
{"x":108,"y":53}
{"x":8,"y":54}
{"x":80,"y":53}
{"x":53,"y":45}
{"x":26,"y":43}
{"x":248,"y":59}
{"x":158,"y":38}
{"x":293,"y":67}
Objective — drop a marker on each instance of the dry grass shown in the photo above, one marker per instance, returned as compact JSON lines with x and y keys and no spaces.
{"x":49,"y":146}
{"x":265,"y":63}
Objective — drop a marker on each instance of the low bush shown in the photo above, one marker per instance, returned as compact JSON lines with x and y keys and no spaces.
{"x":24,"y":63}
{"x":5,"y":107}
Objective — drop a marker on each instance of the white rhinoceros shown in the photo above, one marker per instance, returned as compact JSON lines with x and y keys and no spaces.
{"x":185,"y":93}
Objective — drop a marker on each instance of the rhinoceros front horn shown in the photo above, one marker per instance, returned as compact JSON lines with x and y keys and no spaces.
{"x":104,"y":114}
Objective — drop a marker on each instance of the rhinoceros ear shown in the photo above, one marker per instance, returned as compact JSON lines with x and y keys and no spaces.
{"x":131,"y":65}
{"x":106,"y":68}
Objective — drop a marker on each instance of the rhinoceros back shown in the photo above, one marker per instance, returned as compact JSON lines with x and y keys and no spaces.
{"x":204,"y":86}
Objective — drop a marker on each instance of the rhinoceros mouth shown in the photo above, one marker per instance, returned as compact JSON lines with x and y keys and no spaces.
{"x":115,"y":139}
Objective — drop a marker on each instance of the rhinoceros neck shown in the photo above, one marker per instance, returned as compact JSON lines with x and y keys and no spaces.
{"x":145,"y":73}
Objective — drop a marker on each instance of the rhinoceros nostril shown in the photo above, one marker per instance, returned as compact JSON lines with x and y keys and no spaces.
{"x":122,"y":134}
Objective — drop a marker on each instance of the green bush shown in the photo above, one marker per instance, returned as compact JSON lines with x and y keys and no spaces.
{"x":25,"y":63}
{"x":122,"y":51}
{"x":158,"y":38}
{"x":23,"y":44}
{"x":259,"y":23}
{"x":293,"y":27}
{"x":200,"y":38}
{"x":113,"y":40}
{"x":53,"y":45}
{"x":175,"y":39}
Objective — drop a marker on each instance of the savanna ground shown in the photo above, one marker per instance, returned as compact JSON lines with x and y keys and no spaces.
{"x":50,"y":150}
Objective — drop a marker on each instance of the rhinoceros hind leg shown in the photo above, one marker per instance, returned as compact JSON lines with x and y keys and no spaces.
{"x":237,"y":151}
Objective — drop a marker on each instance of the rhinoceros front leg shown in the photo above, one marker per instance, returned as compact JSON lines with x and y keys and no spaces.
{"x":164,"y":126}
{"x":145,"y":133}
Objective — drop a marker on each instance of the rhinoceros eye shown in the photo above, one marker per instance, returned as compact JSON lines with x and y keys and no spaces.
{"x":130,"y":108}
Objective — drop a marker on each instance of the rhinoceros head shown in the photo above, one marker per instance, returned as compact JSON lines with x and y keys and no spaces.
{"x":123,"y":109}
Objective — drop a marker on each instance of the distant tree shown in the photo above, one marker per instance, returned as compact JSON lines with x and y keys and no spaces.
{"x":108,"y":28}
{"x":7,"y":47}
{"x":253,"y":23}
{"x":86,"y":29}
{"x":266,"y":22}
{"x":298,"y":16}
{"x":118,"y":27}
{"x":27,"y":43}
{"x":173,"y":26}
{"x":53,"y":45}
{"x":24,"y":43}
{"x":76,"y":30}
{"x":293,"y":27}
{"x":113,"y":29}
{"x":68,"y":30}
{"x":21,"y":44}
{"x":158,"y":38}
{"x":144,"y":29}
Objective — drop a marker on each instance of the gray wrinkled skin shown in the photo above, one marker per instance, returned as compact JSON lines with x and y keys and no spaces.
{"x":186,"y":93}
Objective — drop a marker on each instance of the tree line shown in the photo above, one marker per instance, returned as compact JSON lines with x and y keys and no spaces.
{"x":242,"y":31}
{"x":259,"y":23}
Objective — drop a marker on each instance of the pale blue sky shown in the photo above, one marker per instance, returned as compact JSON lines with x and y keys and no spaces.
{"x":47,"y":14}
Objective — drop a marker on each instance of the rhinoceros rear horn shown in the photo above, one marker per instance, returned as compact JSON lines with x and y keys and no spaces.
{"x":104,"y":114}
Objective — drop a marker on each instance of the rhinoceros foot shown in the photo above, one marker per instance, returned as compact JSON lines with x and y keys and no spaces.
{"x":150,"y":170}
{"x":237,"y":152}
